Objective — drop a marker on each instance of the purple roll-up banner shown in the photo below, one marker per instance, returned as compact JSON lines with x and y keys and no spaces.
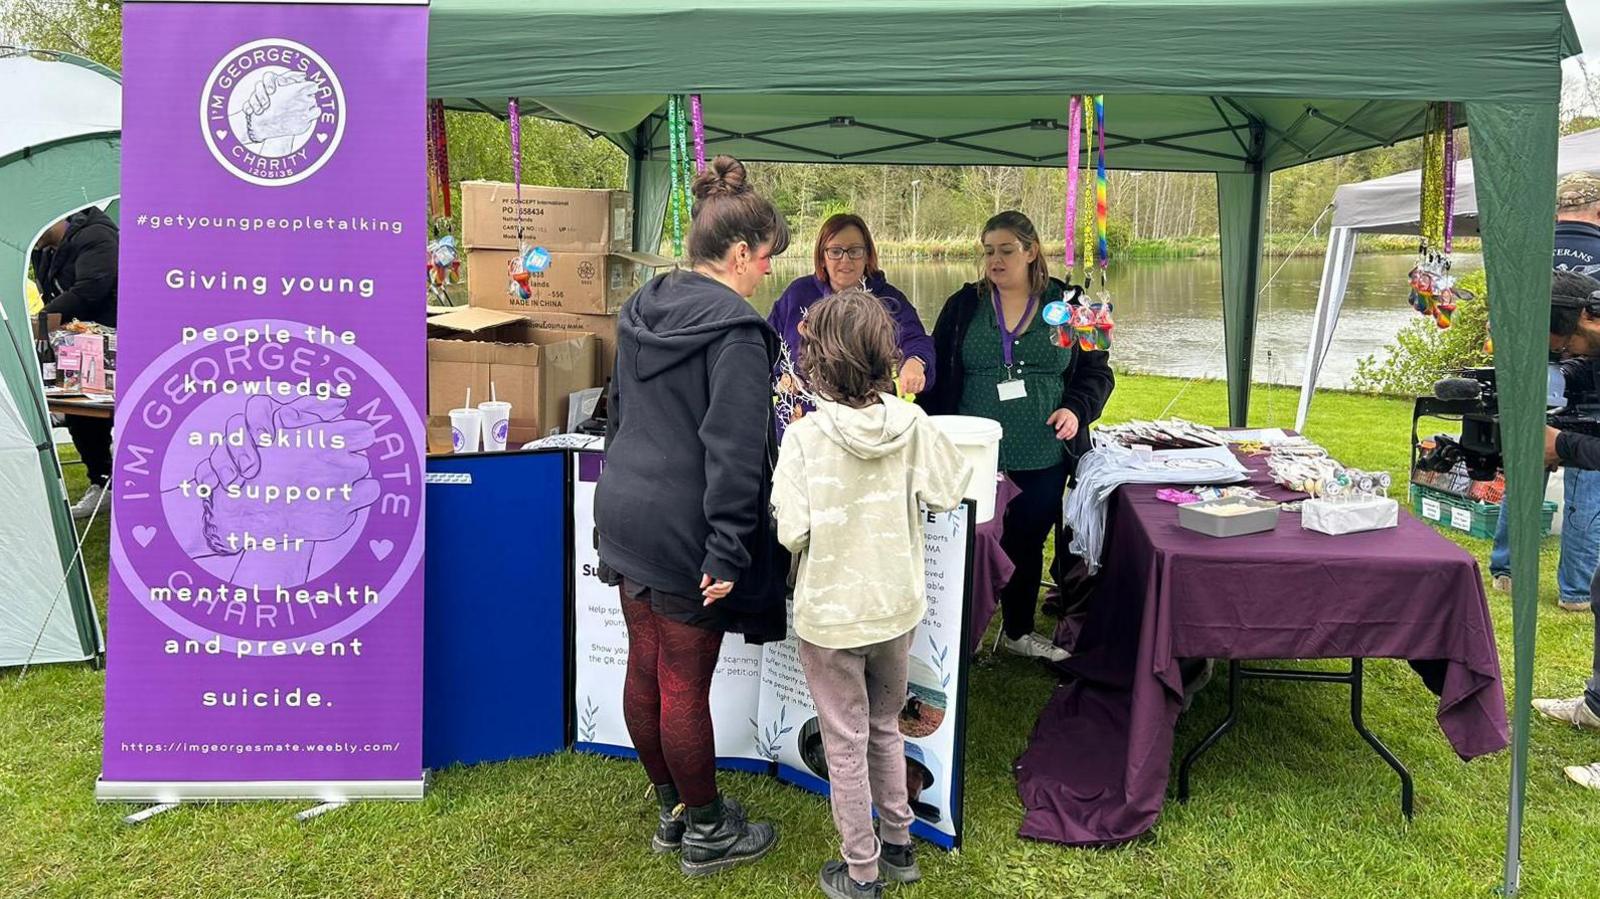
{"x":265,"y":611}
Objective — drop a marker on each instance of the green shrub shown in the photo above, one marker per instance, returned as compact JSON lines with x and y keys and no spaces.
{"x":1422,"y":353}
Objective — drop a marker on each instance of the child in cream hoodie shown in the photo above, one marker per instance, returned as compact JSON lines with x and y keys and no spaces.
{"x":849,"y":482}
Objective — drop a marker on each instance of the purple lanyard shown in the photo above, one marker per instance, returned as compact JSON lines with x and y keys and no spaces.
{"x":1008,"y":337}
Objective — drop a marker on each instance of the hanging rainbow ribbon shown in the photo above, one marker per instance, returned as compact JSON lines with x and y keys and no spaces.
{"x":1102,"y":246}
{"x":1070,"y":218}
{"x":699,"y":133}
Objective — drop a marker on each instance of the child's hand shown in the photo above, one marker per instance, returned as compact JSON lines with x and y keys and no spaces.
{"x":714,"y":590}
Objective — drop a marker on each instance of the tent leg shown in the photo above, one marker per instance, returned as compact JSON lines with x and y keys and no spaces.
{"x":144,"y":815}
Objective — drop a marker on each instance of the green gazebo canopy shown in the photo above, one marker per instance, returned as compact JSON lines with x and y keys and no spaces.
{"x":1236,"y":87}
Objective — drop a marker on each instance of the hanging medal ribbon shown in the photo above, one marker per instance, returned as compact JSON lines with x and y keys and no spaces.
{"x":1101,"y":309}
{"x":699,"y":133}
{"x":1070,"y":218}
{"x":675,"y":163}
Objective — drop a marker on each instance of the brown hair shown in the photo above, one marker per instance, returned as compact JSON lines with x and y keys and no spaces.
{"x":848,"y":352}
{"x":830,"y":229}
{"x":1020,"y":225}
{"x":728,"y":210}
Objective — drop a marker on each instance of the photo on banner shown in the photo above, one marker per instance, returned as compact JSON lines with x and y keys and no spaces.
{"x":761,"y":708}
{"x":265,"y":633}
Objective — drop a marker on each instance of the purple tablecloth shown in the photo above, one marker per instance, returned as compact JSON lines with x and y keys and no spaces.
{"x":1095,"y":771}
{"x":991,"y":567}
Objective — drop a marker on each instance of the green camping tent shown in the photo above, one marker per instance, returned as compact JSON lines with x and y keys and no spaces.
{"x":1236,"y":87}
{"x":59,"y":152}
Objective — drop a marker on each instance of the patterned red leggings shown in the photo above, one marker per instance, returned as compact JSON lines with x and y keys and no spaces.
{"x":666,"y":700}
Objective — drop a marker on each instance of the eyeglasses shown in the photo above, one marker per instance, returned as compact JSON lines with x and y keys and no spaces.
{"x":837,"y":253}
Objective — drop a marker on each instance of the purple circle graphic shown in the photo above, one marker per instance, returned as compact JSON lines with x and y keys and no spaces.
{"x":288,"y":507}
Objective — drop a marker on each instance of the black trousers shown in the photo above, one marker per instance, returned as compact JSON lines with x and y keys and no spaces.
{"x":92,"y":437}
{"x":1030,"y":518}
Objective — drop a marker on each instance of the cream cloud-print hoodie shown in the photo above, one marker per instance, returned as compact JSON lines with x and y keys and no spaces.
{"x":845,"y":493}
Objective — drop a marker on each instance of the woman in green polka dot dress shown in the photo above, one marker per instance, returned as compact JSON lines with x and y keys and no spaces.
{"x":996,"y":358}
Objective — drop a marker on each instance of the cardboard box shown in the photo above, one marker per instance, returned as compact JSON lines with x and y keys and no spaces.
{"x":556,"y":218}
{"x":576,"y":283}
{"x":532,"y":369}
{"x":603,"y":327}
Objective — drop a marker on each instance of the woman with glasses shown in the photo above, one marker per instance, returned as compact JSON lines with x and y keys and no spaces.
{"x":845,"y":257}
{"x":999,"y":360}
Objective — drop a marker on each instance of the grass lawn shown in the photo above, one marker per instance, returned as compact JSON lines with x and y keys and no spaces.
{"x":1292,"y":803}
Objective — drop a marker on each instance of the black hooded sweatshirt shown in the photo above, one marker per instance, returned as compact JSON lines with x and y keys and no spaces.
{"x":78,"y":278}
{"x":690,"y":448}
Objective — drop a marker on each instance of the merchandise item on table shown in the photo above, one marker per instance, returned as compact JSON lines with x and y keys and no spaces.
{"x":1108,"y":466}
{"x":1304,"y":467}
{"x":1170,"y":433}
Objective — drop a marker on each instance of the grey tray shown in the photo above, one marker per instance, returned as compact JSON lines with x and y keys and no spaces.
{"x":1194,"y":517}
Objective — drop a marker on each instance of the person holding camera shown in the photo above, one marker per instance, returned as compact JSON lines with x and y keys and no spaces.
{"x":1577,"y":250}
{"x":1575,"y":338}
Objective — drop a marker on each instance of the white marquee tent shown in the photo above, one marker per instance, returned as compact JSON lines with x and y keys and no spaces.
{"x":1392,"y":205}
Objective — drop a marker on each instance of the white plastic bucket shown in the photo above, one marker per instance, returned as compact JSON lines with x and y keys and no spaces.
{"x":979,"y":440}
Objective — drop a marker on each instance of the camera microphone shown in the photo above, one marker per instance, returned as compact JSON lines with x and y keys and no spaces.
{"x":1457,"y":389}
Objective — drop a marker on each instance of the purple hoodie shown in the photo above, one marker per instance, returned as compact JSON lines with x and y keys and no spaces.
{"x":803,"y":293}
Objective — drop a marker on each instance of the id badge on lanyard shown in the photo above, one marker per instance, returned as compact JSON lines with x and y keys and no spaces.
{"x":1013,"y":387}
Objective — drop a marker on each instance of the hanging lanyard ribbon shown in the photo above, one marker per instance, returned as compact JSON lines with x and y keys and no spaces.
{"x":1102,"y":246}
{"x":699,"y":133}
{"x":514,"y":122}
{"x":1449,"y":176}
{"x":1074,"y":111}
{"x":1008,"y":336}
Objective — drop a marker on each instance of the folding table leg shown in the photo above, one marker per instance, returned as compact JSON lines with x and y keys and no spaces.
{"x":1235,"y":675}
{"x":1406,"y":789}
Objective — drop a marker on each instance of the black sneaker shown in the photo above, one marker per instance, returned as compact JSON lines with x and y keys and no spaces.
{"x":837,"y":883}
{"x":898,"y":863}
{"x":670,"y":826}
{"x":719,"y":838}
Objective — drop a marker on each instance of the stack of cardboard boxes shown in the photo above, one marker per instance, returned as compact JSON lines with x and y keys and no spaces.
{"x":562,"y":338}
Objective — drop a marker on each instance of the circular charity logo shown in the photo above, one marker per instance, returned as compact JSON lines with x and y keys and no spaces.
{"x":266,"y":490}
{"x":457,"y":439}
{"x":272,"y":112}
{"x":501,"y":429}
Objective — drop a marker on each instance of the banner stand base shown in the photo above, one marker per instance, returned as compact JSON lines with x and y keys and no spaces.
{"x":326,"y":791}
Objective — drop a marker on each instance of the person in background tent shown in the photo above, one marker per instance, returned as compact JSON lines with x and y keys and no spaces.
{"x":998,"y":359}
{"x":863,"y":462}
{"x":845,"y":256}
{"x":75,"y":266}
{"x":1575,"y":337}
{"x":682,"y":509}
{"x":1577,"y":250}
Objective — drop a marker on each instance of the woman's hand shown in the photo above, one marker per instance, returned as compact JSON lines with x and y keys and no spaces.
{"x":913,"y":375}
{"x":1065,"y":423}
{"x":714,"y":590}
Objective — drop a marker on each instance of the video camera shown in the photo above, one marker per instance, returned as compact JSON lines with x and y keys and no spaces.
{"x":1473,"y":397}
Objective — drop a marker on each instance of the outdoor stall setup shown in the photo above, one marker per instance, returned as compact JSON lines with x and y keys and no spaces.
{"x":1271,"y":84}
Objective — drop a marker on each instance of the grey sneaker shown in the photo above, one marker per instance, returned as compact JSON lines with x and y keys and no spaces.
{"x":836,"y":884}
{"x":96,"y":497}
{"x":1033,"y":646}
{"x":1584,"y":775}
{"x":1574,"y":711}
{"x":1574,"y":605}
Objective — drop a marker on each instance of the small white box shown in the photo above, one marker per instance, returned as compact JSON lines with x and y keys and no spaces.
{"x":1349,"y":516}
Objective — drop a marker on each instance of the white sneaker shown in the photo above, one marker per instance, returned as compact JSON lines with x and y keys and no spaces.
{"x":1033,"y":646}
{"x":95,"y":497}
{"x":1575,"y":712}
{"x":1584,"y":775}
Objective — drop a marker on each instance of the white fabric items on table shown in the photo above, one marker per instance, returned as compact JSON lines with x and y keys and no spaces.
{"x":1105,"y":468}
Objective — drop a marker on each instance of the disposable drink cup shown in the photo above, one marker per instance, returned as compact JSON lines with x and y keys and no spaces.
{"x":466,"y":427}
{"x":496,"y":422}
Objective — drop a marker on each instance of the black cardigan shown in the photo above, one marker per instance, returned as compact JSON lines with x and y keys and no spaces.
{"x":1085,"y":384}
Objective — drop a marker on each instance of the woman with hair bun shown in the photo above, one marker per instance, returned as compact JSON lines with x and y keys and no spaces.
{"x":682,"y":509}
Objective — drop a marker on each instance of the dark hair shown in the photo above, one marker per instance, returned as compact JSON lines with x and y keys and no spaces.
{"x":830,"y":229}
{"x":1020,"y":225}
{"x":727,"y":210}
{"x":1571,"y":294}
{"x":848,"y":352}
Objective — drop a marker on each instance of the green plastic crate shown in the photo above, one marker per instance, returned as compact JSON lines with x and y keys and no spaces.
{"x":1447,"y":510}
